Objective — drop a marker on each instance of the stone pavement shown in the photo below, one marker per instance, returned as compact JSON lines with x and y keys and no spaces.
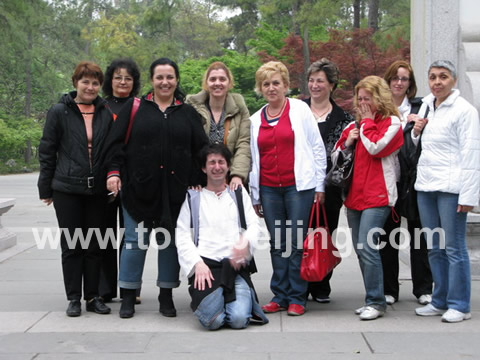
{"x":33,"y":324}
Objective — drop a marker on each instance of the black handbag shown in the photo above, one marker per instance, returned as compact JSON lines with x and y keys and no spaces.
{"x":341,"y":173}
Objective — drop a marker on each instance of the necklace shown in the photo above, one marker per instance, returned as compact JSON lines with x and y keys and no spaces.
{"x":317,"y":115}
{"x":277,"y":114}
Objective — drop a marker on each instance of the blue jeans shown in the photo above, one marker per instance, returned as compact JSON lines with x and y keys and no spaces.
{"x":360,"y":223}
{"x":213,"y":313}
{"x":286,"y":212}
{"x":447,"y":254}
{"x":133,"y":255}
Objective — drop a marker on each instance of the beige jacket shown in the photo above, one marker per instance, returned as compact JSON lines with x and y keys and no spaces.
{"x":238,"y":137}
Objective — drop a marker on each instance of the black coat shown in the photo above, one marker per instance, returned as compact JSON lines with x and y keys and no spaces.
{"x":159,"y":161}
{"x":408,"y":159}
{"x":63,"y":152}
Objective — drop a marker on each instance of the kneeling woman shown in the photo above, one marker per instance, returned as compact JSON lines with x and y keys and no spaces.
{"x":216,"y":254}
{"x":373,"y":191}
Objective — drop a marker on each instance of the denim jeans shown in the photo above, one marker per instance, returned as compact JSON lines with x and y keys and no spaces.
{"x":133,"y":254}
{"x":213,"y":313}
{"x":286,"y":212}
{"x":360,"y":223}
{"x":448,"y":255}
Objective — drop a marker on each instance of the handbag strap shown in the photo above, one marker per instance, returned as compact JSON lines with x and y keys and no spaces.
{"x":316,"y":209}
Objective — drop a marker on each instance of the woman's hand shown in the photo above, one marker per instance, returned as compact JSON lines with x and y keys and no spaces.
{"x":353,"y":135}
{"x":258,"y":210}
{"x":365,"y":112}
{"x":464,"y":208}
{"x":419,"y":125}
{"x":114,"y":184}
{"x":413,"y":117}
{"x":235,"y":182}
{"x":320,"y":197}
{"x":202,"y":275}
{"x":47,"y":201}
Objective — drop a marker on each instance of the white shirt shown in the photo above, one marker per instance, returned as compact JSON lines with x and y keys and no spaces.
{"x":219,"y":229}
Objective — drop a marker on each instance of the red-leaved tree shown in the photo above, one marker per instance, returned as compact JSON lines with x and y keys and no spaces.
{"x":355,"y":53}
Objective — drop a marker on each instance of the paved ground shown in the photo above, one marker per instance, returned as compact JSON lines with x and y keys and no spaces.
{"x":33,"y":324}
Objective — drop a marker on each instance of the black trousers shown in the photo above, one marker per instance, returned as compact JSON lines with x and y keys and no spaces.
{"x":109,"y":271}
{"x":419,"y":265}
{"x":333,"y":204}
{"x":80,"y":262}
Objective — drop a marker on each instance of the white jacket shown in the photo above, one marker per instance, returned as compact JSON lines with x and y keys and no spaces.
{"x":450,"y":157}
{"x":309,"y":150}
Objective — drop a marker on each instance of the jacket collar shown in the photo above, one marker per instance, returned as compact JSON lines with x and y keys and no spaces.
{"x":430,"y":99}
{"x":199,"y":100}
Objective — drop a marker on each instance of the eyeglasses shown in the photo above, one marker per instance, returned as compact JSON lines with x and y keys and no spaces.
{"x":119,"y":78}
{"x":402,"y":79}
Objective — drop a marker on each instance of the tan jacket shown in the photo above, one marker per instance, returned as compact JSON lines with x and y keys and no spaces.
{"x":238,"y":137}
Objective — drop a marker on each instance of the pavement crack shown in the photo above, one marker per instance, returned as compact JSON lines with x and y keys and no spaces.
{"x":368,"y":344}
{"x":36,"y":322}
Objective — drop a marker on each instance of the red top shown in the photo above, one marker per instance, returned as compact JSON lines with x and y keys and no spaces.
{"x":276,"y":150}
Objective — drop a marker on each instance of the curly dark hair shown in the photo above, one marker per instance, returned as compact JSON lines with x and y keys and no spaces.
{"x":132,"y":69}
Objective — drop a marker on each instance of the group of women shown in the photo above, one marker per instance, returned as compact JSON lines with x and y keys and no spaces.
{"x":142,"y":153}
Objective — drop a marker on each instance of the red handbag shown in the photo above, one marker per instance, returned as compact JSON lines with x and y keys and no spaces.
{"x":320,"y":256}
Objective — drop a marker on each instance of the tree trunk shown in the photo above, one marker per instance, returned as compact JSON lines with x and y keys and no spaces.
{"x":373,"y":14}
{"x":306,"y":61}
{"x":356,"y":14}
{"x":28,"y":92}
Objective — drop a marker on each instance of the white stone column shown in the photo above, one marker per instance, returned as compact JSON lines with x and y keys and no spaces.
{"x":434,"y":35}
{"x":7,"y":238}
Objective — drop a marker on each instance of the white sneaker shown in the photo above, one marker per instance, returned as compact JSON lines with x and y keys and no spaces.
{"x":390,"y":299}
{"x":453,"y":316}
{"x":425,"y":299}
{"x":370,"y":313}
{"x":359,"y":310}
{"x":428,"y":310}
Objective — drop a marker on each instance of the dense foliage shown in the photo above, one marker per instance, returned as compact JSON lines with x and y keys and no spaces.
{"x":42,"y":40}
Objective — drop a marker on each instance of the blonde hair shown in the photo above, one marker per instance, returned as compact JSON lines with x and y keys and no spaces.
{"x":267,"y":70}
{"x":217,"y":65}
{"x":381,"y":96}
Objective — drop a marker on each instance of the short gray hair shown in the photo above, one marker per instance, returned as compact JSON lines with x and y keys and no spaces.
{"x":446,"y":64}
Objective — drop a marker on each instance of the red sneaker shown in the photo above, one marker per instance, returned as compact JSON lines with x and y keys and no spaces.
{"x":296,"y":310}
{"x":273,"y":307}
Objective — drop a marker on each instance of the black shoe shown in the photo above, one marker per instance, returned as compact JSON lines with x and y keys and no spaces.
{"x":128,"y":303}
{"x":167,"y":308}
{"x":322,"y":299}
{"x":74,"y":308}
{"x":96,"y":305}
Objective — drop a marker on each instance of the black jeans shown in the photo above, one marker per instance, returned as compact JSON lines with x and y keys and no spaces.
{"x":419,"y":265}
{"x":80,"y":262}
{"x":333,"y":204}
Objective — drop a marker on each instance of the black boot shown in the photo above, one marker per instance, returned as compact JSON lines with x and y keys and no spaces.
{"x":128,"y":303}
{"x":166,"y":303}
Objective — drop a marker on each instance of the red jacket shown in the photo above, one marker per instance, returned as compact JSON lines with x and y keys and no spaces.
{"x":374,"y":179}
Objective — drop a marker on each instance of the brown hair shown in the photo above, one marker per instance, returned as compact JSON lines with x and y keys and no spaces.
{"x":381,"y":95}
{"x":391,"y":72}
{"x":328,"y":67}
{"x":87,"y":68}
{"x":217,"y":65}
